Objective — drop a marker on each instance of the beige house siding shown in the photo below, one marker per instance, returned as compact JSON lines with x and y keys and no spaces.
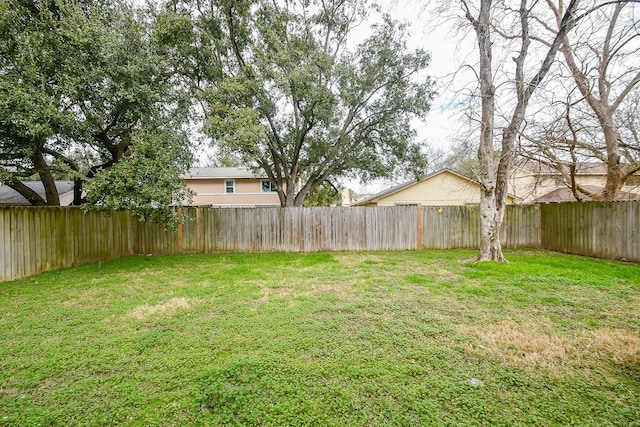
{"x":444,"y":188}
{"x":528,"y":185}
{"x":247,"y":192}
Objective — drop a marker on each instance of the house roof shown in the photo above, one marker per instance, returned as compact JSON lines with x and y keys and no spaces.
{"x":383,"y":193}
{"x":566,"y":195}
{"x":218,"y":173}
{"x":586,"y":168}
{"x":10,"y":197}
{"x":392,"y":190}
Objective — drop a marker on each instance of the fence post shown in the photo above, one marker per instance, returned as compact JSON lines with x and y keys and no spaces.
{"x":180,"y":231}
{"x":199,"y":229}
{"x":420,"y":243}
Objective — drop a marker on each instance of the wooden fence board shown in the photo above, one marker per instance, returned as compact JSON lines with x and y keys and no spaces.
{"x":450,"y":227}
{"x":633,"y":229}
{"x":521,"y":226}
{"x":606,"y":230}
{"x":27,"y":228}
{"x":41,"y":239}
{"x":18,"y":241}
{"x":6,"y":273}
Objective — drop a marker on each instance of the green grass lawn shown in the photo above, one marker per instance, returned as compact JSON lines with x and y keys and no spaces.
{"x":364,"y":339}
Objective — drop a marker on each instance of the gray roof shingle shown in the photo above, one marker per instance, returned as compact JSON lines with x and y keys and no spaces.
{"x":10,"y":197}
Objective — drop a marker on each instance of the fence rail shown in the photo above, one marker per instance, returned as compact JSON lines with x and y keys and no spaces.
{"x":40,"y":239}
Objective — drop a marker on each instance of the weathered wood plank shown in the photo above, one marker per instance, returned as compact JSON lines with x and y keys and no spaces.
{"x":5,"y":249}
{"x":18,"y":242}
{"x":607,"y":230}
{"x":41,"y":239}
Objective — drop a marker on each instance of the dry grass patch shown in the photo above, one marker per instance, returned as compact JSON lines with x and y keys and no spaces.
{"x":171,"y":306}
{"x":448,"y":276}
{"x":84,"y":299}
{"x":621,"y":346}
{"x":343,"y":290}
{"x":524,"y":344}
{"x":533,"y":345}
{"x":357,"y":259}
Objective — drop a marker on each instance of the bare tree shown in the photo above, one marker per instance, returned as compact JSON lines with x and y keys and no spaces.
{"x":598,"y":117}
{"x":494,"y":182}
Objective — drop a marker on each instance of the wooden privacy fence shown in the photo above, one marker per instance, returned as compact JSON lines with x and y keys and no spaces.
{"x":458,"y":227}
{"x":336,"y":229}
{"x":604,"y":230}
{"x":284,"y":230}
{"x":41,"y":239}
{"x":36,"y":239}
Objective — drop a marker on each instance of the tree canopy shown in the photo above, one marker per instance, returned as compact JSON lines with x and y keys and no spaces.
{"x":287,"y":89}
{"x":83,"y":87}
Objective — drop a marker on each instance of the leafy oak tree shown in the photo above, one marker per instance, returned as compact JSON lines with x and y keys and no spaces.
{"x":287,"y":89}
{"x":325,"y":194}
{"x":83,"y":87}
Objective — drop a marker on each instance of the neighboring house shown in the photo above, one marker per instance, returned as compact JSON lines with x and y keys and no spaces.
{"x":10,"y":197}
{"x":230,"y":187}
{"x":566,"y":195}
{"x":533,"y":182}
{"x":442,"y":188}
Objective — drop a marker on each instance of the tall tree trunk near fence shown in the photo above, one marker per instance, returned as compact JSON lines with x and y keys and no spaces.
{"x":494,"y":188}
{"x":490,"y":216}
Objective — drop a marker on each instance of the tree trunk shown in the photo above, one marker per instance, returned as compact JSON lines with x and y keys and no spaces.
{"x":493,"y":197}
{"x":603,"y":108}
{"x":289,"y":199}
{"x":490,"y":249}
{"x":48,"y":182}
{"x":615,"y":173}
{"x":51,"y":197}
{"x":77,"y":192}
{"x":30,"y":195}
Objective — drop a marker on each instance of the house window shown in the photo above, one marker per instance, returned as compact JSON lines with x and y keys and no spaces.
{"x":267,"y":186}
{"x":230,"y":186}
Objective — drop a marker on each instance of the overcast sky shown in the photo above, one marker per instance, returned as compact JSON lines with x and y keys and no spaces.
{"x":446,"y":56}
